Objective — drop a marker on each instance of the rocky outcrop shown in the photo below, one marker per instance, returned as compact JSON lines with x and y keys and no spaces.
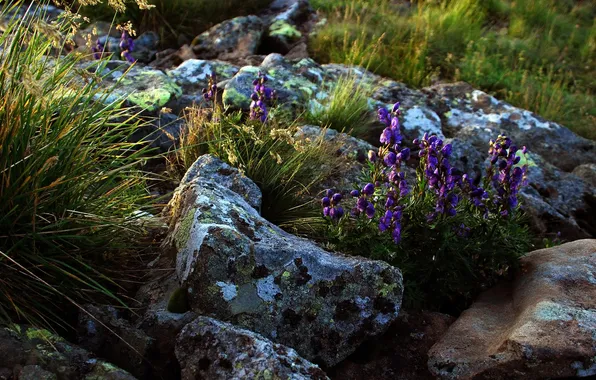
{"x":560,"y":196}
{"x":211,"y":349}
{"x":238,"y":267}
{"x":36,"y":354}
{"x":540,"y":326}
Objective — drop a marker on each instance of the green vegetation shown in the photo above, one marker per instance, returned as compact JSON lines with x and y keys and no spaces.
{"x":345,"y":109}
{"x":173,"y":19}
{"x":286,"y":169}
{"x":536,"y":54}
{"x":69,"y":181}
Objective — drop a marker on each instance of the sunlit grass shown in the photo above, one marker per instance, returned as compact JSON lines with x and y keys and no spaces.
{"x":69,"y":180}
{"x":535,"y":54}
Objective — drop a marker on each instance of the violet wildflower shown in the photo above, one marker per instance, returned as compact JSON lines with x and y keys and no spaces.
{"x":98,"y":49}
{"x":126,"y":46}
{"x":331,"y":205}
{"x":210,"y":92}
{"x":261,"y":95}
{"x":440,"y":176}
{"x":504,"y":173}
{"x":391,"y":134}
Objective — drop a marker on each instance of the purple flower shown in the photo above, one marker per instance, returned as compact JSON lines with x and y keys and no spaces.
{"x":261,"y":95}
{"x":369,"y":189}
{"x":370,"y":211}
{"x":361,"y":204}
{"x":326,"y":202}
{"x":372,"y":156}
{"x":336,"y":198}
{"x":354,"y":193}
{"x":390,"y":159}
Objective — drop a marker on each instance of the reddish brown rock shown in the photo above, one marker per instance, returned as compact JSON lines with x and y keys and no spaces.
{"x":541,"y":326}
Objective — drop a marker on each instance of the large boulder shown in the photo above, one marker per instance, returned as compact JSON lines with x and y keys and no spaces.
{"x":34,"y":354}
{"x":294,"y":87}
{"x":232,"y":39}
{"x":193,"y":76}
{"x":141,"y":86}
{"x":478,"y":117}
{"x":240,"y":268}
{"x":540,"y":326}
{"x":210,"y":349}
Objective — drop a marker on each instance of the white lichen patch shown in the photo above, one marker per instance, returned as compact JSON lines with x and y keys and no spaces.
{"x":496,"y":114}
{"x":267,"y":289}
{"x":228,"y":291}
{"x":423,"y":120}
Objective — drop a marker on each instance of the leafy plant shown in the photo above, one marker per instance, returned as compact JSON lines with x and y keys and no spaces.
{"x":69,"y":181}
{"x":450,"y":236}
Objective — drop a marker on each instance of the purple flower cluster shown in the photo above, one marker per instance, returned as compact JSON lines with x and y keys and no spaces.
{"x":391,"y":135}
{"x":210,"y":92}
{"x":439,"y":174}
{"x":506,"y":176}
{"x":331,"y":207}
{"x":445,"y":184}
{"x":261,"y":95}
{"x":126,"y":46}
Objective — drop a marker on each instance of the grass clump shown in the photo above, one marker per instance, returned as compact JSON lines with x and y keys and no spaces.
{"x":535,"y":54}
{"x":172,"y":19}
{"x":450,"y":236}
{"x":69,"y":182}
{"x":345,"y":109}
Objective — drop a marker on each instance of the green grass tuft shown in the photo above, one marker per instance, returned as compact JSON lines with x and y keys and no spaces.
{"x":345,"y":109}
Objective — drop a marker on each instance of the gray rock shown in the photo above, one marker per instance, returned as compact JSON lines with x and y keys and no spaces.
{"x":144,"y":87}
{"x":39,"y":354}
{"x":294,"y":90}
{"x":211,"y":167}
{"x":240,"y":268}
{"x":485,"y":117}
{"x":540,"y":326}
{"x":232,"y":39}
{"x":193,"y":76}
{"x":145,"y":47}
{"x":211,"y":349}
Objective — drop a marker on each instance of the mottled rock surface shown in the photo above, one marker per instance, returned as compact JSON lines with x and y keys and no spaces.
{"x":144,"y":87}
{"x":240,"y":268}
{"x":541,"y":326}
{"x":210,"y":349}
{"x":35,"y":354}
{"x":231,"y":39}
